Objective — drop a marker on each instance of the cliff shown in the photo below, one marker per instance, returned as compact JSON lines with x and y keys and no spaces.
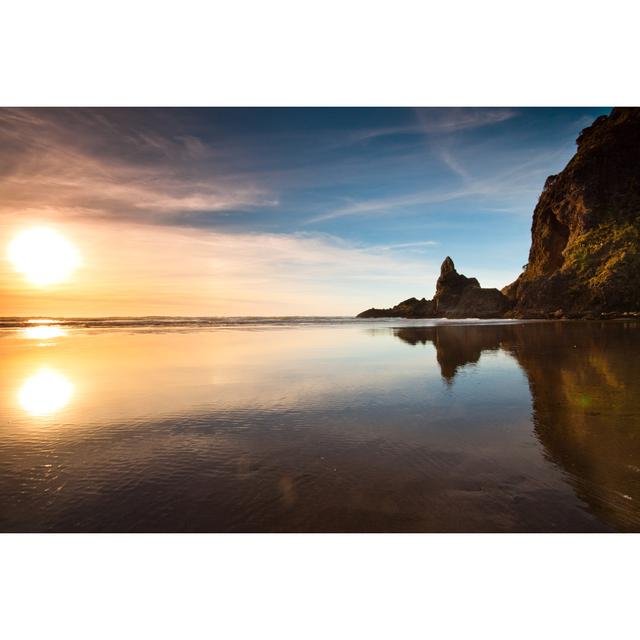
{"x":585,"y":237}
{"x":584,"y":260}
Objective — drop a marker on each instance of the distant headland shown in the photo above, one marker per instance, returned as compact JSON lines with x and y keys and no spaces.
{"x":584,"y":260}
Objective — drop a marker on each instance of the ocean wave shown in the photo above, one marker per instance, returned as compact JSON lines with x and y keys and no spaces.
{"x":181,"y":322}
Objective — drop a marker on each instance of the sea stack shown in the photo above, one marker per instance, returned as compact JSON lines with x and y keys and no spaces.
{"x":456,"y":297}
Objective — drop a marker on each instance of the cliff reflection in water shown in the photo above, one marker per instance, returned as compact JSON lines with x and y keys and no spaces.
{"x":585,"y":386}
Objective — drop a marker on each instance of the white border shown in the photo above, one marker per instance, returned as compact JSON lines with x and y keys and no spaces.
{"x":319,"y":586}
{"x":334,"y":52}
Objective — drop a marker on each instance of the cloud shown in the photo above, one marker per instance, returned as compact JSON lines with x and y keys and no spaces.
{"x":307,"y":257}
{"x":194,"y":272}
{"x":382,"y":132}
{"x":446,"y":155}
{"x":406,"y":245}
{"x":143,"y":165}
{"x":508,"y":185}
{"x":388,"y":204}
{"x":452,"y":119}
{"x":434,"y":120}
{"x":82,"y":163}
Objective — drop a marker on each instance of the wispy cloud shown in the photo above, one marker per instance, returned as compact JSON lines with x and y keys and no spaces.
{"x":406,"y":245}
{"x":447,"y":156}
{"x":382,"y":132}
{"x":186,"y":271}
{"x":389,"y":204}
{"x":513,"y":182}
{"x":49,"y":171}
{"x":450,"y":120}
{"x":436,"y":120}
{"x":438,"y":125}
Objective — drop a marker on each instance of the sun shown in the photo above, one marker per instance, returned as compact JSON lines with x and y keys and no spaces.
{"x":44,"y":256}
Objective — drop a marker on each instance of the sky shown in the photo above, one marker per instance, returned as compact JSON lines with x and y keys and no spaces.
{"x":274,"y":211}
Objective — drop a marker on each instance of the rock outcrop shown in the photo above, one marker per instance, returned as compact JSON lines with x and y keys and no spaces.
{"x":460,"y":297}
{"x":584,"y":260}
{"x":410,"y":308}
{"x":456,"y":297}
{"x":585,"y":237}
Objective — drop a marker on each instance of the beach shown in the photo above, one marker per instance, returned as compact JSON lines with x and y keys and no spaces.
{"x":313,"y":425}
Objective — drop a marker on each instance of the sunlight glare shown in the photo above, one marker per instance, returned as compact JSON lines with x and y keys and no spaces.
{"x":43,"y":256}
{"x":43,"y":332}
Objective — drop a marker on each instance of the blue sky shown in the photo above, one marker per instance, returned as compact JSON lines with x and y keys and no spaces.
{"x":389,"y":191}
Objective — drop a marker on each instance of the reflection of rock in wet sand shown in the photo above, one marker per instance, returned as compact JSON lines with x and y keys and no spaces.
{"x":585,"y":386}
{"x":455,"y":346}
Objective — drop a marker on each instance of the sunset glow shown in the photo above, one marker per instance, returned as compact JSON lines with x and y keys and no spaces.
{"x":43,"y":256}
{"x":249,"y":212}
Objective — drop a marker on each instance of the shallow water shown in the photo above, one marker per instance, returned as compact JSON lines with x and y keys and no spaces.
{"x":289,"y":424}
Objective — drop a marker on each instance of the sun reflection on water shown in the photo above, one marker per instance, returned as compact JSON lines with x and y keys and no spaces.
{"x":43,"y":332}
{"x":45,"y":392}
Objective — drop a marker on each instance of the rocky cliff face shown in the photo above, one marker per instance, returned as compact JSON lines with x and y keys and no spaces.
{"x":584,"y":259}
{"x":585,"y":237}
{"x":456,"y":297}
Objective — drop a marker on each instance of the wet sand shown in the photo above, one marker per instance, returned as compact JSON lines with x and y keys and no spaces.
{"x":321,"y":426}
